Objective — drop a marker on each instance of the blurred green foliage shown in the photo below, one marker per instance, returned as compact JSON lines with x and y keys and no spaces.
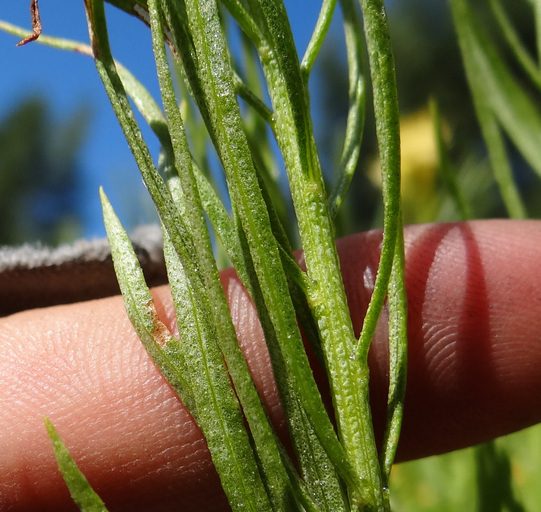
{"x":502,"y":475}
{"x":39,"y":174}
{"x":429,"y":68}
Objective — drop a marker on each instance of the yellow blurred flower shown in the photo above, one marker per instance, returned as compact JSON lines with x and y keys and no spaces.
{"x":419,"y":162}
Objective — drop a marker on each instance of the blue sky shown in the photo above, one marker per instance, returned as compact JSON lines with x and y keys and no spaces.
{"x":68,"y":80}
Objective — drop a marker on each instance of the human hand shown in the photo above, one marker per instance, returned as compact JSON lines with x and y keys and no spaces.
{"x":474,"y":293}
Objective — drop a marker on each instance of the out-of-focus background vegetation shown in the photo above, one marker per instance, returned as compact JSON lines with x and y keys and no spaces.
{"x":40,"y":191}
{"x":44,"y":192}
{"x":429,"y":68}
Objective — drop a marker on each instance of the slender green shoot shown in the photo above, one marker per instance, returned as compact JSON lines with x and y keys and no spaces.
{"x":318,"y":36}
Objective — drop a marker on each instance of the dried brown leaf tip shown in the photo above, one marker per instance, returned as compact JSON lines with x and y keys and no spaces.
{"x":36,"y":24}
{"x":161,"y":334}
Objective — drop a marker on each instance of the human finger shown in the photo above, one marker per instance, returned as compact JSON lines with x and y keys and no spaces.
{"x":473,"y":322}
{"x":474,"y":318}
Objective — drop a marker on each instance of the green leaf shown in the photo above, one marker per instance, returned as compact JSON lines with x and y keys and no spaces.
{"x":81,"y":492}
{"x":398,"y":364}
{"x":156,"y":338}
{"x":318,"y":36}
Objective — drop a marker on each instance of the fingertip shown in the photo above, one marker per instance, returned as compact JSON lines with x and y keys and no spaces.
{"x":83,"y":367}
{"x":474,"y":305}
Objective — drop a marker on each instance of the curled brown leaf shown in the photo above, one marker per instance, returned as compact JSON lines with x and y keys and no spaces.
{"x":36,"y":24}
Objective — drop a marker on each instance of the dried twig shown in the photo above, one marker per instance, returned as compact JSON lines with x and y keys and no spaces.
{"x":36,"y":24}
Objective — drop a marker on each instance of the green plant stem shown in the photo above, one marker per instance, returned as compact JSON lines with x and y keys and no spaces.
{"x":318,"y":36}
{"x":53,"y":42}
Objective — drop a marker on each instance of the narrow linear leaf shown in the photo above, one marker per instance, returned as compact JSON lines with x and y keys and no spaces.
{"x":318,"y":36}
{"x":253,"y":100}
{"x":140,"y":308}
{"x":398,"y":363}
{"x":386,"y":112}
{"x":54,"y":42}
{"x":81,"y":492}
